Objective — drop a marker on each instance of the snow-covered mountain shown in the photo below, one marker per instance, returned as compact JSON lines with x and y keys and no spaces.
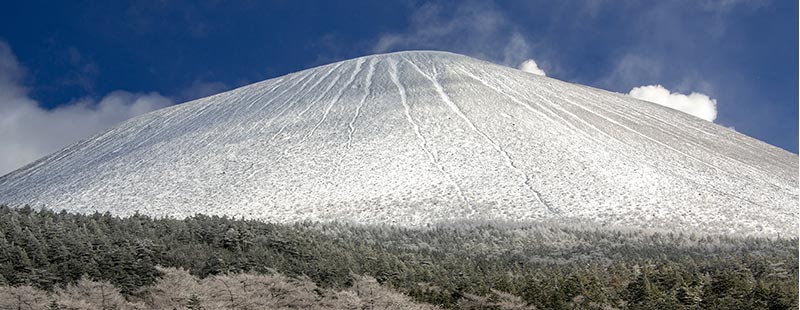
{"x":422,"y":137}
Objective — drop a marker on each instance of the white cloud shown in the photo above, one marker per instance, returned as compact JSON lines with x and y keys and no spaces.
{"x":697,"y":104}
{"x":29,"y":131}
{"x":531,"y":66}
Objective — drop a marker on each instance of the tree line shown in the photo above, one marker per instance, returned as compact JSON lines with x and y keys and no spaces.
{"x":481,"y":265}
{"x":177,"y":289}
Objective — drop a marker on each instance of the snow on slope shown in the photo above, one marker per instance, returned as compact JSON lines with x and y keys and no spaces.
{"x":421,"y":137}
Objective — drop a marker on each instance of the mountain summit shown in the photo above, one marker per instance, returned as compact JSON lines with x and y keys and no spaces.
{"x":414,"y":138}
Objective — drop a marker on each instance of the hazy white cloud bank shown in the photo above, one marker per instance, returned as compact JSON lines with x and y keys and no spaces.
{"x":472,"y":28}
{"x":29,"y":131}
{"x":697,"y":104}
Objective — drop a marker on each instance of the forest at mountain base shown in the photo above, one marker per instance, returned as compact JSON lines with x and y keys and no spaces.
{"x":61,"y":260}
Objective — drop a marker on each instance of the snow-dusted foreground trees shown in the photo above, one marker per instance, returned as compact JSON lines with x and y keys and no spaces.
{"x":177,"y":289}
{"x":97,"y":260}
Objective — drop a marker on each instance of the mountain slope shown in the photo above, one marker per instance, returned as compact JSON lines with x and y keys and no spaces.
{"x":421,"y":137}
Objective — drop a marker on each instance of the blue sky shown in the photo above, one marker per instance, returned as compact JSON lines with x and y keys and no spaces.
{"x":78,"y":67}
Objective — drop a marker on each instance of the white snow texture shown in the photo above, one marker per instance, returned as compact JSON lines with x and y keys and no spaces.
{"x":415,"y":138}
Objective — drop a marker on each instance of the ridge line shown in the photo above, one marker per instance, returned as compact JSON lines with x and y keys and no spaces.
{"x":351,"y":128}
{"x":507,"y":159}
{"x":637,"y":132}
{"x":289,"y":87}
{"x":401,"y":90}
{"x":253,"y":98}
{"x":335,"y":100}
{"x":317,"y":82}
{"x":307,"y":78}
{"x":367,"y":92}
{"x":527,"y":107}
